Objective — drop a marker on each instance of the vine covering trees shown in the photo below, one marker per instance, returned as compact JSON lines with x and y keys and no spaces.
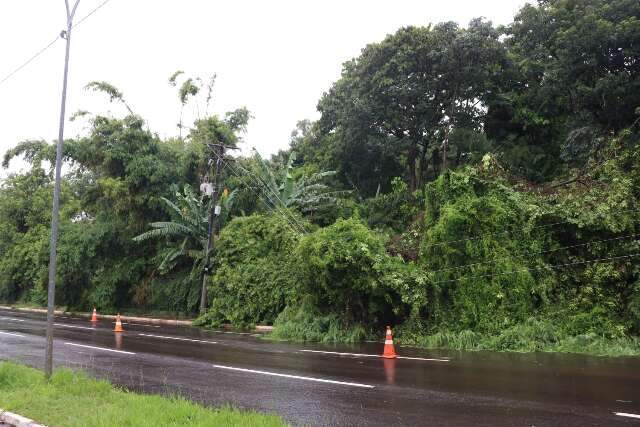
{"x":477,"y":187}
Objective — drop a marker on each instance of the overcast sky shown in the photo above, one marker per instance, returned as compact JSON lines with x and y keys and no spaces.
{"x":274,"y":57}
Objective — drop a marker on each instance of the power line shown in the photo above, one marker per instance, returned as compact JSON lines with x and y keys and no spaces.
{"x":292,"y":226}
{"x":51,"y":43}
{"x":536,"y":253}
{"x":256,"y":179}
{"x":28,"y":61}
{"x":291,"y":220}
{"x":277,"y":196}
{"x":275,"y":193}
{"x":94,"y":10}
{"x":498,"y":233}
{"x":554,"y":267}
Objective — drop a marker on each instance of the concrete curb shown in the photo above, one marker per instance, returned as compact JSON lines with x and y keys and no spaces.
{"x":17,"y":420}
{"x":172,"y":322}
{"x":150,"y":320}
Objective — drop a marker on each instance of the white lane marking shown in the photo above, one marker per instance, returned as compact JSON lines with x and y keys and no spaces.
{"x":146,"y":326}
{"x":13,"y":319}
{"x":74,"y":327}
{"x":295,"y":377}
{"x":625,"y":414}
{"x":373,"y":355}
{"x":177,"y":338}
{"x":235,"y":333}
{"x":12,"y":334}
{"x":423,"y":358}
{"x":99,"y":348}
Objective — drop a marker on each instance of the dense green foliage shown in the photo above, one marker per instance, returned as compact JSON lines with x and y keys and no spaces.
{"x":475,"y":187}
{"x":71,"y":399}
{"x":253,"y":278}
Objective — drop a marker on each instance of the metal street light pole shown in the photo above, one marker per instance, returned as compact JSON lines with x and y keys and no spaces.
{"x":48,"y":365}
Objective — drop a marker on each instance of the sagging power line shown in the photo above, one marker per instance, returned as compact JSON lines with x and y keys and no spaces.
{"x":536,"y":253}
{"x":288,"y":216}
{"x":292,"y":225}
{"x":507,"y":232}
{"x":553,"y":267}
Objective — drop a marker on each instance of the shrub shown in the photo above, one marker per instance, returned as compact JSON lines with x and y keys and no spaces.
{"x":305,"y":323}
{"x":252,"y":280}
{"x":338,"y":271}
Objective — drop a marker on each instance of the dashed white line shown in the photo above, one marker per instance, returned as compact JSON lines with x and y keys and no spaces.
{"x":13,"y":319}
{"x":146,"y":326}
{"x":373,"y":355}
{"x":235,"y":333}
{"x":295,"y":377}
{"x":12,"y":334}
{"x":625,"y":414}
{"x":177,"y":338}
{"x":99,"y":348}
{"x":62,"y":325}
{"x":423,"y":358}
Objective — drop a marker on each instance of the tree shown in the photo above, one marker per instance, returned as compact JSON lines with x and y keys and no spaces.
{"x":187,"y":234}
{"x":413,"y":88}
{"x":579,"y":65}
{"x":110,"y":90}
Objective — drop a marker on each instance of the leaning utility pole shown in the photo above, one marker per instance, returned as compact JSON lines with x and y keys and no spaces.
{"x":214,"y":211}
{"x":48,"y":365}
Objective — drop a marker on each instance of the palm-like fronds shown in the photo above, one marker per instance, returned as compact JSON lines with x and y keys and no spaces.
{"x":307,"y":193}
{"x":186,"y":235}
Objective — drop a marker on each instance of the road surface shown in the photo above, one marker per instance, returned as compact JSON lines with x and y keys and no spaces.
{"x":338,"y":385}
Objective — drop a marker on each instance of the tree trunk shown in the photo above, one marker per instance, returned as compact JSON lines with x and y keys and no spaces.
{"x":424,"y":166}
{"x":411,"y":158}
{"x":435,"y":159}
{"x":444,"y":150}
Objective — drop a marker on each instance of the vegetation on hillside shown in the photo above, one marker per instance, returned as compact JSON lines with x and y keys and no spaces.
{"x":476,"y":187}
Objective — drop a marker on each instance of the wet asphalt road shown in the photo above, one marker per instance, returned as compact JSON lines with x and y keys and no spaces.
{"x":316,"y":388}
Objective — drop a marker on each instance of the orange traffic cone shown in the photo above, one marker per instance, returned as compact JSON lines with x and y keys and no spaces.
{"x":94,"y":316}
{"x":118,"y":327}
{"x":389,"y":350}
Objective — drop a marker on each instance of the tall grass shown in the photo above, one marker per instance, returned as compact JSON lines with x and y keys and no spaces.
{"x":304,"y":324}
{"x":532,"y":335}
{"x":73,"y":399}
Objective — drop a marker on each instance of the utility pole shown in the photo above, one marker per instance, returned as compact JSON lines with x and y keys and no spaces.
{"x":48,"y":365}
{"x":214,"y":212}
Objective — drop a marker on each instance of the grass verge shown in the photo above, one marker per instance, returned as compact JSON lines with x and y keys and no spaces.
{"x":71,"y":398}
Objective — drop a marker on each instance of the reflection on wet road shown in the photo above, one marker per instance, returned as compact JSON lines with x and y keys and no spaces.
{"x":338,"y":385}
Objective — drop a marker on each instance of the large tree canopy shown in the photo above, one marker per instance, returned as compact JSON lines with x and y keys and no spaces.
{"x":413,"y":88}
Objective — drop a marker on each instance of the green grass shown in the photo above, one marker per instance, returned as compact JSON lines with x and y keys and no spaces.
{"x":71,"y":398}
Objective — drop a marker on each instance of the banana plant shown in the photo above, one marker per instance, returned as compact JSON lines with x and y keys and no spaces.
{"x":186,"y":235}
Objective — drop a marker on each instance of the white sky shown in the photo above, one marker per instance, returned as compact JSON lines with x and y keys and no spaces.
{"x":274,"y":57}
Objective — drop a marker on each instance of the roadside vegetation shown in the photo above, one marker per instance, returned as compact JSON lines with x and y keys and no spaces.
{"x":476,"y":188}
{"x":73,"y":399}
